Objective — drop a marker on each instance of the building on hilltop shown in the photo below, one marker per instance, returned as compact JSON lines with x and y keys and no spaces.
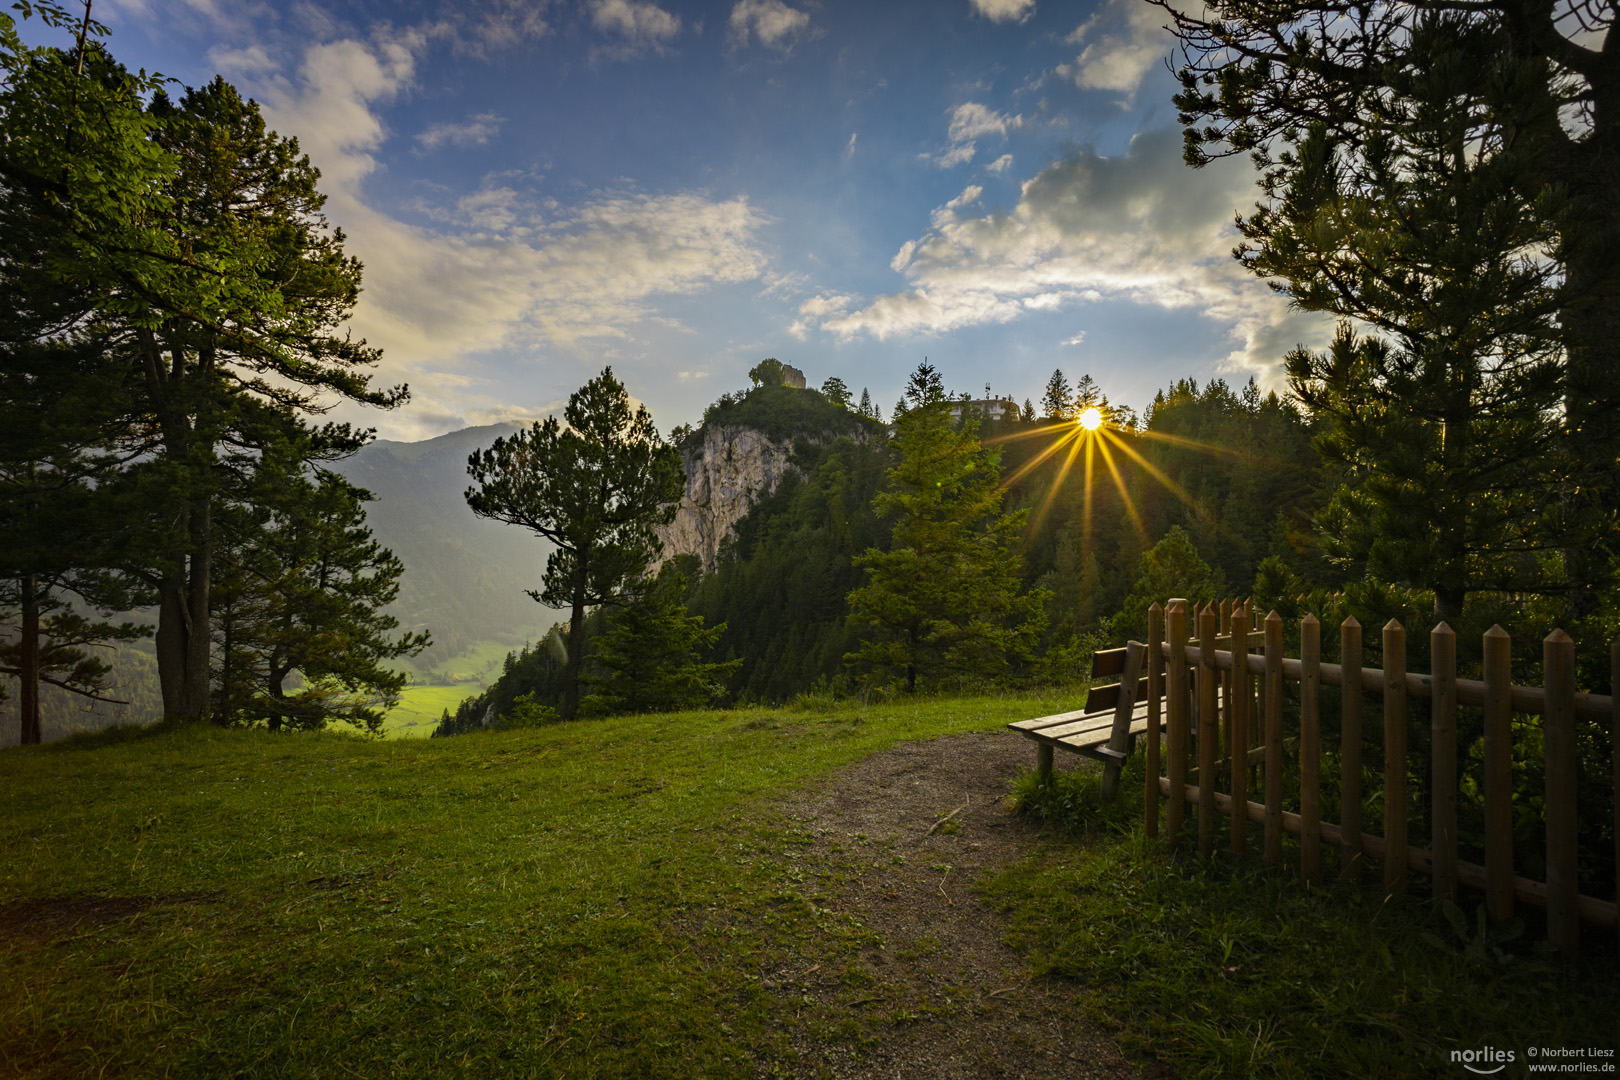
{"x":993,"y":409}
{"x":792,"y":376}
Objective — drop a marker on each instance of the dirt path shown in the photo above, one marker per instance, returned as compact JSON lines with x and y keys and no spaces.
{"x":958,"y":1002}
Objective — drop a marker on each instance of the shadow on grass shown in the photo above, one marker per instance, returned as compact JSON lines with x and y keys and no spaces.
{"x":1239,"y":969}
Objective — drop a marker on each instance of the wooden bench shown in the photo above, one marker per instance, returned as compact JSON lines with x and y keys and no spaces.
{"x":1115,"y":714}
{"x":1106,"y":728}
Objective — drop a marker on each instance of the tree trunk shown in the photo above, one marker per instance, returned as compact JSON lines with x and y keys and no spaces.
{"x":576,"y":652}
{"x":1591,"y":321}
{"x":277,"y":696}
{"x":28,"y":703}
{"x":199,"y":642}
{"x":170,"y":640}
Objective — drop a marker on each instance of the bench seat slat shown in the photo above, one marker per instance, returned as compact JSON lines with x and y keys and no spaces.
{"x":1084,"y":719}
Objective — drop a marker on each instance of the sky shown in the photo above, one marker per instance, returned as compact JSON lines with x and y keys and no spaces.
{"x":678,"y":189}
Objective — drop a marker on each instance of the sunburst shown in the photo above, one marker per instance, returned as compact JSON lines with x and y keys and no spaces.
{"x":1084,"y":438}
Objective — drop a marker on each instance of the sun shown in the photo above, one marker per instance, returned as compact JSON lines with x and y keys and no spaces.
{"x":1091,"y":419}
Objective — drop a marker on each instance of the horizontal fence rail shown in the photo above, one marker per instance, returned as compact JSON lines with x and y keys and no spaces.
{"x":1215,"y":682}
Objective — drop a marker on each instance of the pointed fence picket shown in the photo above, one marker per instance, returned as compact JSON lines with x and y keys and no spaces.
{"x":1219,"y":700}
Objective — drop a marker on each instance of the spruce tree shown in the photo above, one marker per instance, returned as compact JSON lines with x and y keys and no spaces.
{"x":302,"y":587}
{"x":1057,"y":400}
{"x":651,"y":658}
{"x":946,"y":600}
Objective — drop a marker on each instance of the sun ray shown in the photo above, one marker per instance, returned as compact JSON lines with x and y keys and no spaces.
{"x":1208,"y":448}
{"x":1033,"y":433}
{"x":1154,"y":471}
{"x":1057,"y":483}
{"x":1085,"y":512}
{"x":1034,"y":462}
{"x":1124,"y":494}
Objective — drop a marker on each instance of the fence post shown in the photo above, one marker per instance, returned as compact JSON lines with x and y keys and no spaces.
{"x":1273,"y":738}
{"x":1226,"y":678}
{"x":1238,"y":719}
{"x":1614,"y":750}
{"x":1394,"y":756}
{"x":1208,"y":734}
{"x":1443,"y":745}
{"x":1155,"y":665}
{"x":1175,"y":700}
{"x":1563,"y":882}
{"x":1310,"y":748}
{"x":1498,"y":658}
{"x":1350,"y":749}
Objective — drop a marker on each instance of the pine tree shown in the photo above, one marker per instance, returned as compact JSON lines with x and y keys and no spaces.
{"x":302,"y":586}
{"x":596,"y":490}
{"x":946,"y":601}
{"x":866,"y":408}
{"x":1451,"y":155}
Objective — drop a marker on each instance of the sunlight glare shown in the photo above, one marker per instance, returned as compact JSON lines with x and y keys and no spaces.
{"x":1091,"y":419}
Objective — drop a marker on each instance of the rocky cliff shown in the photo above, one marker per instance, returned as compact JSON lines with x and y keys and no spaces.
{"x":724,"y":473}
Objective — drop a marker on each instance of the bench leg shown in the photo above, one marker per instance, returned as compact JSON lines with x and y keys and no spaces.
{"x":1043,"y":763}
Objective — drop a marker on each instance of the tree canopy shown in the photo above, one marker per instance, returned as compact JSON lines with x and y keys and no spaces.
{"x":596,"y":489}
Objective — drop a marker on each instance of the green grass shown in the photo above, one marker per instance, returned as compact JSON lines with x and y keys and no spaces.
{"x":1237,"y":970}
{"x":590,"y":899}
{"x":608,"y":898}
{"x":419,"y":709}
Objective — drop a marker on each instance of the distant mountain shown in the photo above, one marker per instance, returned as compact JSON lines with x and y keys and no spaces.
{"x":464,"y":575}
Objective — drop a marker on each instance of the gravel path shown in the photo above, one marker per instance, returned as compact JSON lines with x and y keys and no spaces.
{"x":882,"y":860}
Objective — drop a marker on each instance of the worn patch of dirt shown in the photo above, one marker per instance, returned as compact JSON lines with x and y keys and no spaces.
{"x":898,"y":842}
{"x":53,"y":917}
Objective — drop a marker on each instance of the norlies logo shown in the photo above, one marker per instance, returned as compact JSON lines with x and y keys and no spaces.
{"x":1485,"y":1062}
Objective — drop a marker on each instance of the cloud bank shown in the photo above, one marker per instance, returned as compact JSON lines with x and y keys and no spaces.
{"x":501,"y":270}
{"x":1140,"y":227}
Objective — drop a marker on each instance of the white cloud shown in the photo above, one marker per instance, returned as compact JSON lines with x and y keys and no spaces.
{"x":497,"y":273}
{"x":771,"y":21}
{"x":1005,"y":10}
{"x":970,"y":122}
{"x":1123,"y":40}
{"x":1000,"y":165}
{"x":497,"y":25}
{"x":474,"y":131}
{"x":1140,"y":227}
{"x":1078,"y":339}
{"x":641,"y":25}
{"x":251,"y":61}
{"x":817,"y":309}
{"x":849,"y":148}
{"x":970,"y":194}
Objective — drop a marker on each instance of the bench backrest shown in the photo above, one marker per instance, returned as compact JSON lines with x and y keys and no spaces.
{"x":1106,"y":662}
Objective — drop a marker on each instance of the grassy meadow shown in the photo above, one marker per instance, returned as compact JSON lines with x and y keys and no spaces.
{"x":586,"y":899}
{"x":446,"y":685}
{"x":606,"y":899}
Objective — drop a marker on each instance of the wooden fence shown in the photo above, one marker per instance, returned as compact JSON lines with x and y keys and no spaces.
{"x":1220,"y":682}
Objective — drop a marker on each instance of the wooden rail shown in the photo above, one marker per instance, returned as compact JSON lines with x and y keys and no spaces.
{"x":1223,"y":699}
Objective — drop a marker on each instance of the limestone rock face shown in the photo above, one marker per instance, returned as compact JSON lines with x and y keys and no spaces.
{"x":724,"y":474}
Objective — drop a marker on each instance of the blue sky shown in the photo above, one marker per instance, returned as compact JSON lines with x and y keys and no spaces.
{"x":679,"y":189}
